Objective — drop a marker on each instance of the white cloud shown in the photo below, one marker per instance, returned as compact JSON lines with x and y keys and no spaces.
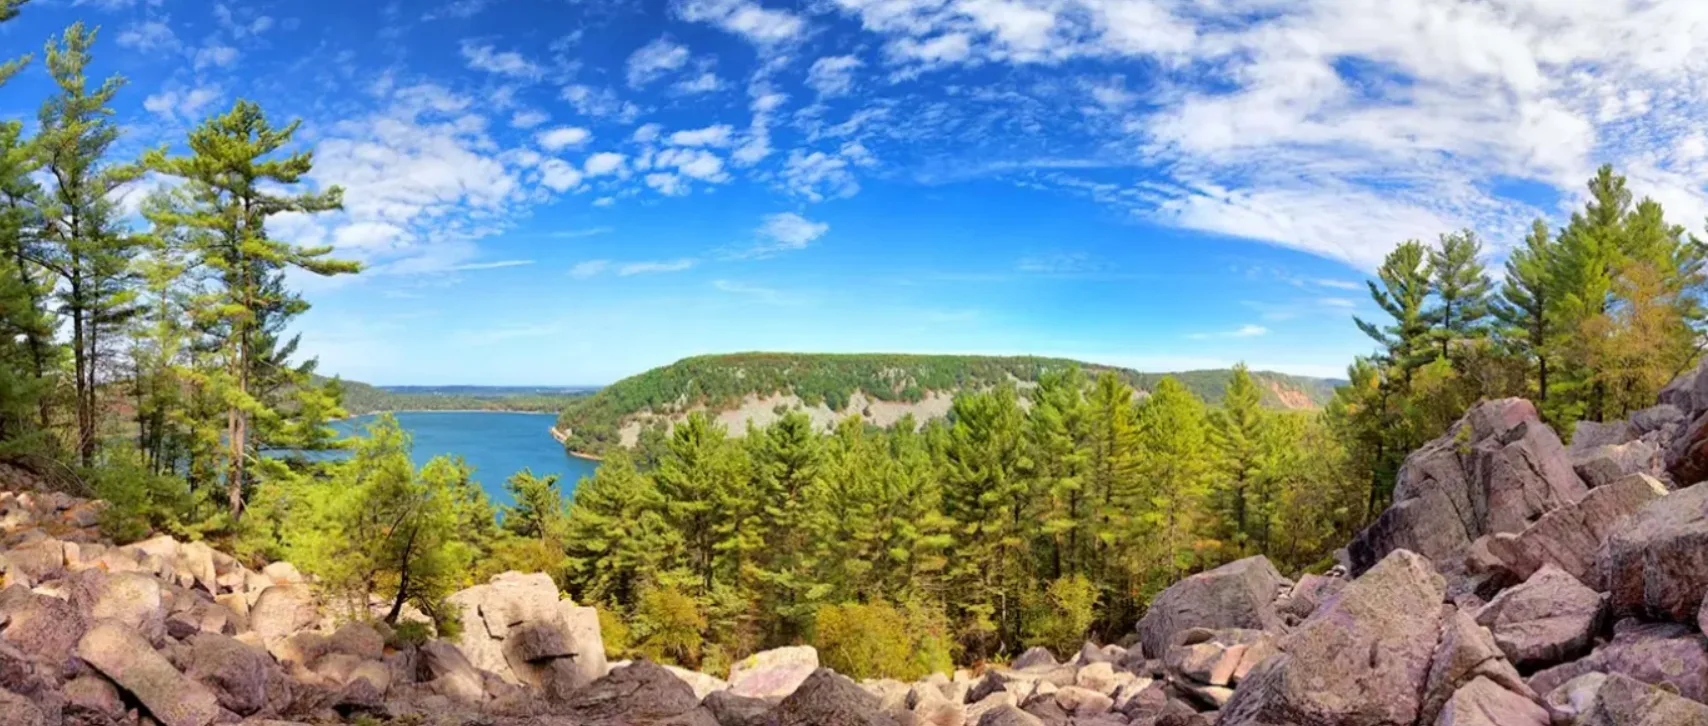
{"x":559,"y":176}
{"x":833,"y":75}
{"x":718,"y":135}
{"x":696,"y":163}
{"x":786,"y":231}
{"x":215,"y":54}
{"x":458,"y":10}
{"x":590,"y":268}
{"x":1243,"y":331}
{"x":562,"y":137}
{"x":818,"y":176}
{"x":655,"y":59}
{"x":182,"y":104}
{"x":483,"y":57}
{"x":600,"y":103}
{"x":670,"y":185}
{"x":361,"y":235}
{"x":604,"y":162}
{"x":148,"y":36}
{"x":759,"y":25}
{"x":646,"y":268}
{"x":494,"y":265}
{"x":528,"y":119}
{"x":762,"y":294}
{"x":705,"y":82}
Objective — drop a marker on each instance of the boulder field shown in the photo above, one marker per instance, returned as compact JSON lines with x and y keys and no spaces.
{"x":1515,"y":581}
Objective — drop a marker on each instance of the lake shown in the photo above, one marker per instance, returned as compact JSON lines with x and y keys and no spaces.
{"x":495,"y":444}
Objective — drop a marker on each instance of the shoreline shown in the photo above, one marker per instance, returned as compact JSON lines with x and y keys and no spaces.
{"x":563,"y":438}
{"x":443,"y":410}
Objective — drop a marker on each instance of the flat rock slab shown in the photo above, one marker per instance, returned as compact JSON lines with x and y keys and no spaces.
{"x":1551,"y":618}
{"x":1483,"y":703}
{"x":122,"y":655}
{"x":1239,"y":594}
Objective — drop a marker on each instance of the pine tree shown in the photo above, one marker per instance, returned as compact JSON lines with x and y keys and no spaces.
{"x":539,"y":510}
{"x":1590,"y":254}
{"x":1059,"y":431}
{"x":617,"y":538}
{"x":1523,"y":307}
{"x":1238,"y":431}
{"x":27,"y":348}
{"x":787,"y":462}
{"x":1461,"y":289}
{"x":232,"y":183}
{"x":1404,"y":288}
{"x":1176,"y":461}
{"x":696,"y":478}
{"x":85,"y":247}
{"x":987,"y":491}
{"x":1113,"y":483}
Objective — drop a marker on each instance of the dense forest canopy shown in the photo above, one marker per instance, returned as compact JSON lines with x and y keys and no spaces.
{"x":723,"y":382}
{"x":148,"y":359}
{"x":363,"y":398}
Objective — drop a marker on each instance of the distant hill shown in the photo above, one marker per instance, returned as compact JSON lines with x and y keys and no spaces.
{"x":362,"y":398}
{"x":760,"y":387}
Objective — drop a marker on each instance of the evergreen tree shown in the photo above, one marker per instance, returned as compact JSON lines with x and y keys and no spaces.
{"x":617,"y":539}
{"x":696,"y":478}
{"x":1523,"y":307}
{"x":987,"y":491}
{"x":1404,"y":286}
{"x":232,"y":186}
{"x":1238,"y":431}
{"x":1175,"y":461}
{"x":1059,"y":433}
{"x":84,"y":245}
{"x":1590,"y":254}
{"x":787,"y":460}
{"x":539,"y":510}
{"x":1461,"y":288}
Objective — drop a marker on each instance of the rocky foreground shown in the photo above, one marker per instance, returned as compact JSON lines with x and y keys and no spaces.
{"x":1515,"y":582}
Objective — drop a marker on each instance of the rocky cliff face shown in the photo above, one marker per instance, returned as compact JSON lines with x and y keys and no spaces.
{"x":1515,"y":582}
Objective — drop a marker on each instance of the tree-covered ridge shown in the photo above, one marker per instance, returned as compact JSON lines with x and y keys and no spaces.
{"x":722,"y":382}
{"x":364,"y":398}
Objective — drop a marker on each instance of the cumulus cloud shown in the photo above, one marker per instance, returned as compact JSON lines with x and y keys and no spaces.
{"x":562,"y":137}
{"x":604,"y":163}
{"x":214,"y":55}
{"x":759,"y":25}
{"x":695,"y":163}
{"x":484,"y":57}
{"x":784,"y":232}
{"x":655,"y":59}
{"x":818,"y":176}
{"x":181,"y":104}
{"x":148,"y":36}
{"x":718,"y":135}
{"x":833,"y":75}
{"x":528,"y":119}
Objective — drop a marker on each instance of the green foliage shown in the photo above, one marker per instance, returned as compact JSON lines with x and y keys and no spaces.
{"x":615,"y":633}
{"x":722,"y":382}
{"x":361,"y":398}
{"x":140,"y":501}
{"x":669,"y":626}
{"x":410,"y":633}
{"x":1062,"y":615}
{"x":865,"y":641}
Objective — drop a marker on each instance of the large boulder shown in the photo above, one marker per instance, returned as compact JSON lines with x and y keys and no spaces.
{"x":1571,"y":536}
{"x":1662,"y":654}
{"x":1549,"y":619}
{"x":19,"y":711}
{"x":827,"y":699}
{"x":639,"y":694}
{"x":1496,"y":470}
{"x":773,"y":673}
{"x":124,"y":657}
{"x":1605,"y":464}
{"x":45,"y":628}
{"x":732,"y":710}
{"x":282,"y":610}
{"x":1239,"y":594}
{"x":1657,"y":563}
{"x":1617,"y":700}
{"x":128,"y":597}
{"x":444,"y":669}
{"x":1388,"y":619}
{"x":1466,"y":653}
{"x":242,"y":677}
{"x":511,"y":622}
{"x":1482,"y":702}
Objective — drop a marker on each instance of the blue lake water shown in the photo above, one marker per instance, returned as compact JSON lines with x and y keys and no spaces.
{"x":495,"y":444}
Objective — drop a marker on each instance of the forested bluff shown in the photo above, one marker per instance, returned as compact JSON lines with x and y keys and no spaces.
{"x":159,"y":569}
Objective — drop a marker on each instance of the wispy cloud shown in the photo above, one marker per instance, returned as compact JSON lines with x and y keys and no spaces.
{"x":646,"y":268}
{"x":579,"y":233}
{"x":769,"y":296}
{"x":494,"y":265}
{"x":1243,"y":331}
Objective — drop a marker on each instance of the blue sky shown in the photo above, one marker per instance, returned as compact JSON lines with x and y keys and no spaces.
{"x":553,"y":192}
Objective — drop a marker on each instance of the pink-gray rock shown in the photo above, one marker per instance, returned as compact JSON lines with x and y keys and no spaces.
{"x":1656,"y":653}
{"x":358,"y":639}
{"x":1622,"y":701}
{"x":19,"y":711}
{"x":1239,"y":594}
{"x":282,"y":610}
{"x":1009,"y":716}
{"x":1484,"y":703}
{"x":129,"y":661}
{"x":773,"y":673}
{"x":828,"y":699}
{"x":1467,"y":652}
{"x":94,"y":701}
{"x":45,"y":628}
{"x":443,"y":668}
{"x":1571,"y":536}
{"x":732,"y":710}
{"x":1551,"y":618}
{"x":242,"y":677}
{"x":1657,"y":563}
{"x":1498,"y":469}
{"x":1389,"y":618}
{"x":1034,"y":656}
{"x":1306,"y":595}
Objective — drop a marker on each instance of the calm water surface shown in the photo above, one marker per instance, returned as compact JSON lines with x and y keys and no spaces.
{"x":495,"y":444}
